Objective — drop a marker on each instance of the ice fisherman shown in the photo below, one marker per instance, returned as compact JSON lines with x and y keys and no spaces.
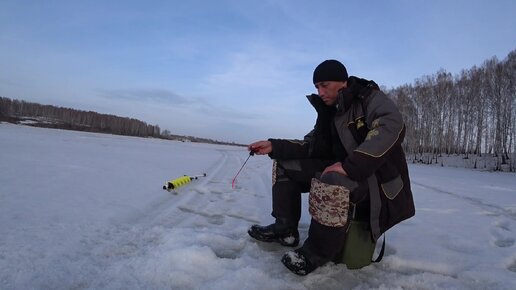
{"x":352,"y":164}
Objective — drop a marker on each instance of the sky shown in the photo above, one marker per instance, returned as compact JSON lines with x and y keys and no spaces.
{"x":229,"y":70}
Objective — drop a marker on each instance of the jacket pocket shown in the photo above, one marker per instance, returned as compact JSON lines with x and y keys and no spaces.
{"x":393,"y":187}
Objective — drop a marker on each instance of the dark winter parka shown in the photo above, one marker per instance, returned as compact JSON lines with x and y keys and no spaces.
{"x":364,"y":131}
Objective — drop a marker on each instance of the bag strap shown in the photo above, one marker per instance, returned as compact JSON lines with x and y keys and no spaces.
{"x":382,"y":251}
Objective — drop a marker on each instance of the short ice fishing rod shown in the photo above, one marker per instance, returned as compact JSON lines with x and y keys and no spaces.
{"x":175,"y":183}
{"x":251,"y":153}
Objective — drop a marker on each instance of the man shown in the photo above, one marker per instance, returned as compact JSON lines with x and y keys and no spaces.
{"x":352,"y":163}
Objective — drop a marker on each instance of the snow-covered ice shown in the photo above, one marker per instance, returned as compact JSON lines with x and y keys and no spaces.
{"x":87,"y":211}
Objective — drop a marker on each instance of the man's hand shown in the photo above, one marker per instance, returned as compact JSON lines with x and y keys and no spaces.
{"x":260,"y":147}
{"x":335,"y":167}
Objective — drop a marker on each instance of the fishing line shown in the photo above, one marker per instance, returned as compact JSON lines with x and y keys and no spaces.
{"x":234,"y":179}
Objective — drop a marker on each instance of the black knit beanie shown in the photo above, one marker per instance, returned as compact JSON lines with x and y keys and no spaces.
{"x":330,"y":70}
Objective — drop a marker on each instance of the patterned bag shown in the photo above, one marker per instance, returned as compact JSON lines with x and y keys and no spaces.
{"x":329,"y":204}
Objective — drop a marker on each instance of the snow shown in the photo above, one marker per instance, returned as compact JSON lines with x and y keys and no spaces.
{"x":87,"y":211}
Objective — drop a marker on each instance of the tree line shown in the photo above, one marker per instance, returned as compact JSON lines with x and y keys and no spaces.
{"x":34,"y":114}
{"x":473,"y":112}
{"x":66,"y":118}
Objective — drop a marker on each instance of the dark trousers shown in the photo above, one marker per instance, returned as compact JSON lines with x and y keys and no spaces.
{"x":293,"y":177}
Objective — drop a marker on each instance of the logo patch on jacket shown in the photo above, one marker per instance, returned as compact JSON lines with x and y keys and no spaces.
{"x":360,"y":123}
{"x":374,"y":129}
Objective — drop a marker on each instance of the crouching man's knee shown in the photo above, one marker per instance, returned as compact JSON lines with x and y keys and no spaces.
{"x":335,"y":178}
{"x":329,"y":199}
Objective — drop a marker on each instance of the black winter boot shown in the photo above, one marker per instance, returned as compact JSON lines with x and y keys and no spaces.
{"x":297,"y":262}
{"x":277,"y":232}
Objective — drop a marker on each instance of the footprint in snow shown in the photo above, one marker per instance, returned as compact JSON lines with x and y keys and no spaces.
{"x":214,"y":219}
{"x":512,"y":266}
{"x":503,"y":225}
{"x":502,"y":234}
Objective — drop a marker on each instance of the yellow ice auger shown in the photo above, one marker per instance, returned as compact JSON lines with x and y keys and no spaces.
{"x":175,"y":183}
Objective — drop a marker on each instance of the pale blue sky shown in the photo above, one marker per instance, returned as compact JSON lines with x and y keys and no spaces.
{"x":233,"y":70}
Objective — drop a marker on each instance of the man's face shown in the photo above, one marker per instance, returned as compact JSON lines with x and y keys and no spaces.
{"x":329,"y":90}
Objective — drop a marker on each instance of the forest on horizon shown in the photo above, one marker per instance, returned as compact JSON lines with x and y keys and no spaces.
{"x":471,"y":113}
